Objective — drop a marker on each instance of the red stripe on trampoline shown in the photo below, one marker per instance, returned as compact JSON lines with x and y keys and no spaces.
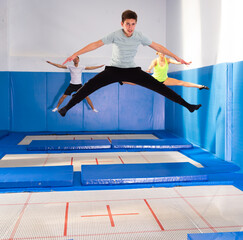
{"x":110,"y":215}
{"x":189,"y":204}
{"x":96,"y":159}
{"x":19,"y":218}
{"x":71,"y":160}
{"x":66,"y":219}
{"x":46,"y":160}
{"x":105,"y":215}
{"x":154,"y":215}
{"x":74,"y":138}
{"x":121,"y":159}
{"x":109,"y":139}
{"x":145,"y":158}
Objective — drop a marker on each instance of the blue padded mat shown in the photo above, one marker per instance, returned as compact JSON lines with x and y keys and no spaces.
{"x":140,"y":173}
{"x":216,"y":236}
{"x":49,"y":145}
{"x":172,"y":143}
{"x":36,"y":177}
{"x":3,"y":133}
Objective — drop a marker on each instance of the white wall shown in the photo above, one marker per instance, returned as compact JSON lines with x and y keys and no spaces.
{"x":41,"y":30}
{"x":205,"y":31}
{"x":4,"y":35}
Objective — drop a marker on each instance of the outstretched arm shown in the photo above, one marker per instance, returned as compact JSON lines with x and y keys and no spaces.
{"x":57,"y":65}
{"x":90,"y":47}
{"x":159,"y":48}
{"x":169,"y":60}
{"x":93,"y":67}
{"x":152,"y":65}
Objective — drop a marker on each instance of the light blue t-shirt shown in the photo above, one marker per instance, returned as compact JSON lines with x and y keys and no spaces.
{"x":124,"y":48}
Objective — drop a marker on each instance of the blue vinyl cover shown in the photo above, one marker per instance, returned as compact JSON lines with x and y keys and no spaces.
{"x":173,"y":143}
{"x":43,"y":145}
{"x":140,"y":173}
{"x":237,"y":131}
{"x":135,"y":108}
{"x":3,"y":134}
{"x":28,"y":93}
{"x":105,"y":100}
{"x":36,"y":177}
{"x":216,"y":236}
{"x":5,"y":101}
{"x":211,"y":163}
{"x":209,"y":126}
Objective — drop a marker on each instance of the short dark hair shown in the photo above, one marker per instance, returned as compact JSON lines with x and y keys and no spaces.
{"x":129,"y":14}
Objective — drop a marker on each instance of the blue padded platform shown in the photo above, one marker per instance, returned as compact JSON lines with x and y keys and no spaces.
{"x":172,"y":143}
{"x":36,"y":177}
{"x":216,"y":236}
{"x":50,"y":145}
{"x":140,"y":173}
{"x":3,"y":133}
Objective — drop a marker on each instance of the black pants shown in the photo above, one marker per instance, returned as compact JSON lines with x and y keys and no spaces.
{"x":133,"y":75}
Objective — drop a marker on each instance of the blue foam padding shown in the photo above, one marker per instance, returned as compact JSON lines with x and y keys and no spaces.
{"x":3,"y":134}
{"x":211,"y":163}
{"x":142,"y":100}
{"x":237,"y":132}
{"x":210,"y":126}
{"x":216,"y":236}
{"x":20,"y":177}
{"x":44,"y":145}
{"x":5,"y":119}
{"x":140,"y":173}
{"x":173,"y":143}
{"x":28,"y":110}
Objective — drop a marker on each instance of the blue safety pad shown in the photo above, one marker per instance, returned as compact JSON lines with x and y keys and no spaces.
{"x":210,"y":126}
{"x":28,"y":109}
{"x":5,"y":123}
{"x":3,"y":134}
{"x":136,"y":108}
{"x":173,"y":143}
{"x":140,"y":173}
{"x":49,"y":145}
{"x":164,"y":134}
{"x":211,"y":163}
{"x":106,"y":101}
{"x":20,"y":177}
{"x":216,"y":236}
{"x":237,"y":131}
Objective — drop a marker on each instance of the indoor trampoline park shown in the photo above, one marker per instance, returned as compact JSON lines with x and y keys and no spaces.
{"x":121,"y":120}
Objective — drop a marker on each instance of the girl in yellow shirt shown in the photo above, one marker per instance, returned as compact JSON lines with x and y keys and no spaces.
{"x":161,"y":66}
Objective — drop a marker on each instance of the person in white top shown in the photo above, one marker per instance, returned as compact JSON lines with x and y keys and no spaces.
{"x":75,"y":82}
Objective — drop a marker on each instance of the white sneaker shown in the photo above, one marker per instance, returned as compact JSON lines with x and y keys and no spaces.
{"x":55,"y":109}
{"x":95,"y":110}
